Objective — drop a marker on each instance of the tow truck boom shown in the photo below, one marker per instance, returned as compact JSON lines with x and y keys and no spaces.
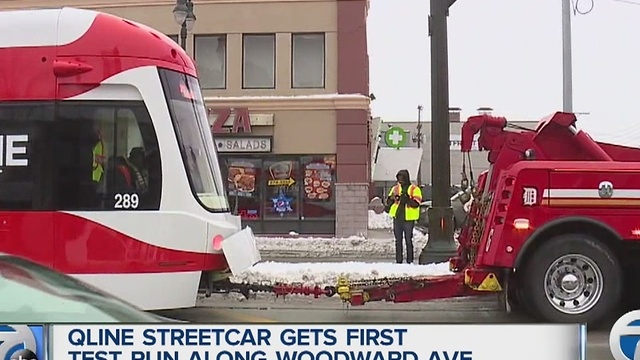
{"x":556,"y":137}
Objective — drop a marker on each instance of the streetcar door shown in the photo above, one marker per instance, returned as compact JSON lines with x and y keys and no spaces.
{"x":26,"y":219}
{"x":107,"y":175}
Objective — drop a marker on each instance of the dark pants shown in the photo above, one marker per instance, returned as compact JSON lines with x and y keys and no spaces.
{"x":402,"y":228}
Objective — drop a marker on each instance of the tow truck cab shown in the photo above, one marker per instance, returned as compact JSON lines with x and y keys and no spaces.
{"x":551,"y":216}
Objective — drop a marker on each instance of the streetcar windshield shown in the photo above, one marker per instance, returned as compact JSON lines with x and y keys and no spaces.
{"x":199,"y":154}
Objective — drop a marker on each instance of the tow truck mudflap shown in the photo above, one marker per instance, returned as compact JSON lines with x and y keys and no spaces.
{"x":241,"y":251}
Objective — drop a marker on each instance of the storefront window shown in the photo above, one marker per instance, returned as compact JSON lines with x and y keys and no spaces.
{"x":318,"y":193}
{"x":282,"y":189}
{"x":243,"y":187}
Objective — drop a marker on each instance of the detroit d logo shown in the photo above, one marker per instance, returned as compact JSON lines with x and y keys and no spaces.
{"x":605,"y":189}
{"x":529,"y":196}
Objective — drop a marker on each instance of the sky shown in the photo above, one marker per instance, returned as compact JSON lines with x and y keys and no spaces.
{"x":507,"y":55}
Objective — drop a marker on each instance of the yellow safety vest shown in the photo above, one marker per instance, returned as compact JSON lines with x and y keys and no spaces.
{"x":410,"y":213}
{"x":98,"y":161}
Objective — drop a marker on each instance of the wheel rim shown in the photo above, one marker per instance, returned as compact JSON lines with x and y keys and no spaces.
{"x":573,"y":284}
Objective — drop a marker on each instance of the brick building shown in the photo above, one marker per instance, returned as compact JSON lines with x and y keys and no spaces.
{"x":287,"y":86}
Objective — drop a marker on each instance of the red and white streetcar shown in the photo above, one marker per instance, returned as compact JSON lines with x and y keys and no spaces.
{"x":108,"y":171}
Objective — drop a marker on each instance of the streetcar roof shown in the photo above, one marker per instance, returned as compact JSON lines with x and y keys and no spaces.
{"x":49,"y":43}
{"x":44,"y":27}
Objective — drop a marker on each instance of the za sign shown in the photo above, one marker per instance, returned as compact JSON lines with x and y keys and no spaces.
{"x":395,"y":137}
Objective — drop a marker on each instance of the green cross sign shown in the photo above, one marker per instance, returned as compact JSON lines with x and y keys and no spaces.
{"x":395,"y":137}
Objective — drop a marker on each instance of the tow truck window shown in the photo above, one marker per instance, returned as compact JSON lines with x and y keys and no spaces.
{"x":107,"y":157}
{"x":199,"y":155}
{"x":24,"y":155}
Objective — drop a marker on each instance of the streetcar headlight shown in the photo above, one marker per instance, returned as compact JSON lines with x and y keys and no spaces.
{"x":217,"y":242}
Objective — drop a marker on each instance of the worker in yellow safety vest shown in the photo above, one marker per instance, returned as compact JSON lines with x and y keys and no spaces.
{"x":403,"y":205}
{"x":99,"y":157}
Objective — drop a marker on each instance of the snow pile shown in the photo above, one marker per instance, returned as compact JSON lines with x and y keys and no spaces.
{"x":380,"y":221}
{"x":324,"y":274}
{"x":350,"y":248}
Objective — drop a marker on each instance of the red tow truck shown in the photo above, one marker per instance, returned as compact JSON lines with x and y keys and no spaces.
{"x":552,"y":228}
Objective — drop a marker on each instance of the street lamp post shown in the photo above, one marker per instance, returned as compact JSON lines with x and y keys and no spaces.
{"x":440,"y":246}
{"x":184,"y":16}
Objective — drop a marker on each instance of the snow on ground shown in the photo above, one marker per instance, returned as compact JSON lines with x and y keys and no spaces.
{"x":348,"y":248}
{"x":323,"y":274}
{"x":380,"y":221}
{"x":379,"y":244}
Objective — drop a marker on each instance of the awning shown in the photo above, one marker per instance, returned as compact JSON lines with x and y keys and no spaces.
{"x":389,"y":161}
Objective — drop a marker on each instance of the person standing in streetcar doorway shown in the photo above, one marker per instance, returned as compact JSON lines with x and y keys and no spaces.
{"x":403,"y":205}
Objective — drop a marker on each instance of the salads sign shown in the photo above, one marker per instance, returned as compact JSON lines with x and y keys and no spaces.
{"x":254,"y":144}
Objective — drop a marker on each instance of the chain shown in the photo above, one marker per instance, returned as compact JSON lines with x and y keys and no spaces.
{"x":226,"y":287}
{"x":246,"y":289}
{"x":382,"y":282}
{"x":478,"y":226}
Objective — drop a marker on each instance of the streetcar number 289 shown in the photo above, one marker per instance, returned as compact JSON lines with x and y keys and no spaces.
{"x":126,"y":201}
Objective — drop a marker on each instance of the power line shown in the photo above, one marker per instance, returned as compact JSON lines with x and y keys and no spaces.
{"x":630,"y":2}
{"x":580,"y":9}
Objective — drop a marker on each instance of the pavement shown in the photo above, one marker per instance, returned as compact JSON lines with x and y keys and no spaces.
{"x":231,"y":309}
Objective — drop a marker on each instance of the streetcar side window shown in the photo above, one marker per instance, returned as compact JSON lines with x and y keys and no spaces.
{"x":25,"y":158}
{"x":108,"y":157}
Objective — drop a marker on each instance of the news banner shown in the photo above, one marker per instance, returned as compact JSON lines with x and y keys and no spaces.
{"x":292,"y":342}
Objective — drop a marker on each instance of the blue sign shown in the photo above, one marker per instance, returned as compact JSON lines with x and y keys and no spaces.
{"x":22,"y":342}
{"x":282,"y":203}
{"x":624,"y":339}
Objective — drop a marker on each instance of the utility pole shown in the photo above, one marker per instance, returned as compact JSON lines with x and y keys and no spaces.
{"x":567,"y":76}
{"x":419,"y":137}
{"x":440,"y":246}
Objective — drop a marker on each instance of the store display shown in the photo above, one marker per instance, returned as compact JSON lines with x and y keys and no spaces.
{"x":281,"y":185}
{"x":242,"y":178}
{"x":282,"y":203}
{"x":281,"y":170}
{"x":317,"y":181}
{"x":331,"y":161}
{"x":290,"y":189}
{"x":243,"y":187}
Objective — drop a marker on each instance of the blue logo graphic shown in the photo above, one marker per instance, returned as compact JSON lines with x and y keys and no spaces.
{"x":282,"y":203}
{"x":21,"y":342}
{"x":624,"y":339}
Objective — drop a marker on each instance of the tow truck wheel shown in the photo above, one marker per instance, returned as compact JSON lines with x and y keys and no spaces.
{"x":572,"y":278}
{"x":517,"y":298}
